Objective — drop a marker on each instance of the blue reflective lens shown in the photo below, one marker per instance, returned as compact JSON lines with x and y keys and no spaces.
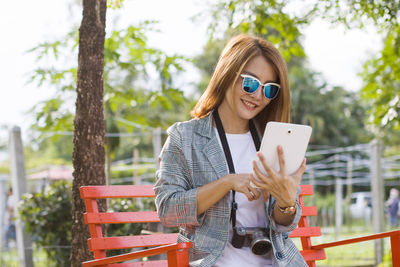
{"x":270,"y":91}
{"x":250,"y":85}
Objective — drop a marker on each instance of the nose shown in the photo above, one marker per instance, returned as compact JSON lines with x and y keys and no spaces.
{"x":258,"y":94}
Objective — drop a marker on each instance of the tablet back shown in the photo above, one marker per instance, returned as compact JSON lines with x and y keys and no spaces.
{"x":294,"y":140}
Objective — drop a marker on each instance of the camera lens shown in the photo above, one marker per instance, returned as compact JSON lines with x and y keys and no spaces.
{"x":261,"y":244}
{"x":261,"y":247}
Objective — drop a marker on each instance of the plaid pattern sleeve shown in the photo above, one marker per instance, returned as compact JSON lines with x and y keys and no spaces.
{"x":176,"y":198}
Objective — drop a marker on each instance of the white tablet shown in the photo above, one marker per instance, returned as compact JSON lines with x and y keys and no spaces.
{"x":294,"y":140}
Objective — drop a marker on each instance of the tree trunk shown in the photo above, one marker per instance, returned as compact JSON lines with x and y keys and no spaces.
{"x":88,"y":155}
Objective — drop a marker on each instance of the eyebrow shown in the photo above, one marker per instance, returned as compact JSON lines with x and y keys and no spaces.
{"x":252,"y":74}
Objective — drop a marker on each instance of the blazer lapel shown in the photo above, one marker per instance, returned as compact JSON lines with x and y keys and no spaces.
{"x":212,"y":149}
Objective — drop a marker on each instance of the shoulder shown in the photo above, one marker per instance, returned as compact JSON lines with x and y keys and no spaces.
{"x":180,"y":127}
{"x":186,"y":129}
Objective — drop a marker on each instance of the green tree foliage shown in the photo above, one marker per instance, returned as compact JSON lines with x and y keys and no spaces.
{"x":131,"y":90}
{"x":138,"y":82}
{"x":381,"y":78}
{"x":47,"y":216}
{"x":358,"y":13}
{"x":138,"y":88}
{"x":207,"y":61}
{"x":49,"y":152}
{"x":381,"y":73}
{"x":336,"y":115}
{"x":268,"y":18}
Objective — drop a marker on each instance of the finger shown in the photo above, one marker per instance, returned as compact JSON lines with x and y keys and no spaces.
{"x":253,"y":185}
{"x":249,"y":195}
{"x":267,"y":168}
{"x":253,"y":196}
{"x":299,"y":173}
{"x":257,"y":183}
{"x":282,"y":163}
{"x":255,"y":192}
{"x":246,"y":191}
{"x":261,"y":176}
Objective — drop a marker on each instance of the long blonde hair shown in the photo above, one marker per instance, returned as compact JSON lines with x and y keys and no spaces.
{"x":238,"y":51}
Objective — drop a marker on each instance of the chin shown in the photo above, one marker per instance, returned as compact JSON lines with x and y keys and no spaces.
{"x":248,"y":115}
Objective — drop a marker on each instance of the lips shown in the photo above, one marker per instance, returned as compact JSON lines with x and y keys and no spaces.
{"x":249,"y":105}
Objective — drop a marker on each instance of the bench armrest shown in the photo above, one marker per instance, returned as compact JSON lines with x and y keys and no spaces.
{"x":357,"y":239}
{"x":394,"y":243}
{"x":141,"y":254}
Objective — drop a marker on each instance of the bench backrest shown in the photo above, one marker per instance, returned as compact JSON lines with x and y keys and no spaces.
{"x":99,"y":244}
{"x":305,"y":232}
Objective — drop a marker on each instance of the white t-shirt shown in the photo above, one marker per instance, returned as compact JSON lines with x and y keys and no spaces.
{"x":249,"y":213}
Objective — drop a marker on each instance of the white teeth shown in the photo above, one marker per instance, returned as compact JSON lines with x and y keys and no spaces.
{"x":248,"y":104}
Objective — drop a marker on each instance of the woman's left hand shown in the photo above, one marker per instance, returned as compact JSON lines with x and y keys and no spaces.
{"x":280,"y":185}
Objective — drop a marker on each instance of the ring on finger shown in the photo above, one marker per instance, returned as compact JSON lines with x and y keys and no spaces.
{"x":252,"y":194}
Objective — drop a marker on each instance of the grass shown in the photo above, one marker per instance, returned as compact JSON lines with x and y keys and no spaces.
{"x":9,"y":258}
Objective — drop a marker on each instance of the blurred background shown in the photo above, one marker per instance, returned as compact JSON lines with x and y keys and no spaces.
{"x":344,"y":72}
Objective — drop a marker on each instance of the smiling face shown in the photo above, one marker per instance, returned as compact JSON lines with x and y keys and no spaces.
{"x":238,"y":107}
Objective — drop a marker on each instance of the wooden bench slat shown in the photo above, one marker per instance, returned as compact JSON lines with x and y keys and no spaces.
{"x":121,"y":217}
{"x":117,"y":191}
{"x":306,"y":190}
{"x":137,"y":241}
{"x":313,"y":254}
{"x":175,"y":250}
{"x":309,"y":211}
{"x":129,"y":191}
{"x":160,"y":263}
{"x":306,"y":232}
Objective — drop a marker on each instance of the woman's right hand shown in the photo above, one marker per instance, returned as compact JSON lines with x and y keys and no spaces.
{"x":211,"y":193}
{"x":240,"y":182}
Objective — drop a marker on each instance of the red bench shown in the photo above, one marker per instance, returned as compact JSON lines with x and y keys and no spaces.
{"x":177,"y":253}
{"x":312,"y":253}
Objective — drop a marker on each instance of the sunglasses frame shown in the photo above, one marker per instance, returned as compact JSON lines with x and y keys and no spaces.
{"x":260,"y":84}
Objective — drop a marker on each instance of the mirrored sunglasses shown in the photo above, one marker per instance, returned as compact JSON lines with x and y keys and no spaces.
{"x":251,"y":84}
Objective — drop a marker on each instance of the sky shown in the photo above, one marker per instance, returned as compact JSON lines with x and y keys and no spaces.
{"x":337,"y":54}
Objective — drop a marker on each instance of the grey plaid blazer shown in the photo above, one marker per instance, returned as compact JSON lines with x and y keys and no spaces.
{"x":192,"y":157}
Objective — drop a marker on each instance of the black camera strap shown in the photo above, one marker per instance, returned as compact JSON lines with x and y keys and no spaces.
{"x":228,"y":155}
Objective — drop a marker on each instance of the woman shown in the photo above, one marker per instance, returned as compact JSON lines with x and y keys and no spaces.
{"x":205,"y":183}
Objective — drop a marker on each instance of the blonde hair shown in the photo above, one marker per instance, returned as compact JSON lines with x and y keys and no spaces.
{"x":236,"y":54}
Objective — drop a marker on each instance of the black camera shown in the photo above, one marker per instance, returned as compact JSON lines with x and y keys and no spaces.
{"x":254,"y":237}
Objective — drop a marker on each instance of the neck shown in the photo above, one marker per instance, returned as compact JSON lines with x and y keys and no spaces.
{"x":232,"y":124}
